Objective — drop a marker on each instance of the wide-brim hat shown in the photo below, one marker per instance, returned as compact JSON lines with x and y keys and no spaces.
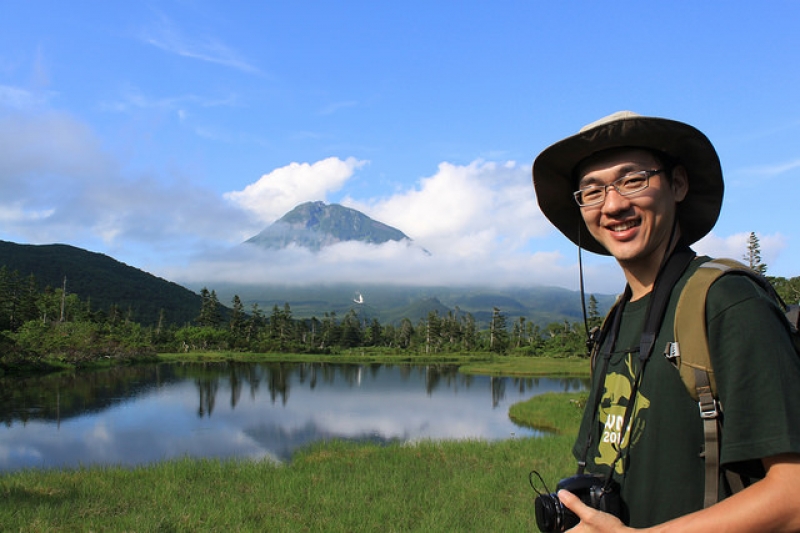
{"x":555,"y":180}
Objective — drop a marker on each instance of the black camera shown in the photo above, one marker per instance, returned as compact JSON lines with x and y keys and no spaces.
{"x":551,"y":515}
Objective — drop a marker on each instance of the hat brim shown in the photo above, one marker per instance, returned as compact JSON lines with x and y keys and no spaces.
{"x":555,"y":182}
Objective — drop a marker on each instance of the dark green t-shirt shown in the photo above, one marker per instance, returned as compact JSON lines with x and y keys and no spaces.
{"x":661,"y":472}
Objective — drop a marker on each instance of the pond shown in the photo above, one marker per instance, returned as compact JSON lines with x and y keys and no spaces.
{"x":149,"y":413}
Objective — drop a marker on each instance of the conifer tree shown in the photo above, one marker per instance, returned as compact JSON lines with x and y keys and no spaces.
{"x":593,"y":315}
{"x":210,"y":315}
{"x":375,"y":333}
{"x":351,"y":334}
{"x":405,"y":333}
{"x":753,"y":255}
{"x":254,"y":324}
{"x":237,"y":321}
{"x":498,"y":334}
{"x":470,"y":332}
{"x":432,"y":331}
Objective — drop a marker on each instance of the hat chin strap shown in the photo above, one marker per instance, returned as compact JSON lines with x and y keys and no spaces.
{"x":583,"y":292}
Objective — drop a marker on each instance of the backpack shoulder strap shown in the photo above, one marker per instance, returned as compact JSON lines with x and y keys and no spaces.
{"x":690,"y":325}
{"x":691,"y":336}
{"x":691,"y":354}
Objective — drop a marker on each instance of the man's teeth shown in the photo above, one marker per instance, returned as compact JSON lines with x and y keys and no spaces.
{"x":624,"y":226}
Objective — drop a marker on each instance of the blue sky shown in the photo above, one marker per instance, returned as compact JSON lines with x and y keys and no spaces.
{"x":165,"y":133}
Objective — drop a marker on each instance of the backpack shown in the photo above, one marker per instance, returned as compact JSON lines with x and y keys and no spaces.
{"x":690,"y":354}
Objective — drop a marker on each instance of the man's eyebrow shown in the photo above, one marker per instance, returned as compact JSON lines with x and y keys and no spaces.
{"x":621,"y":171}
{"x":589,"y":180}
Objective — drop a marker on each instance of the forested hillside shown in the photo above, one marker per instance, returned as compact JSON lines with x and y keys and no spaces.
{"x":102,"y":282}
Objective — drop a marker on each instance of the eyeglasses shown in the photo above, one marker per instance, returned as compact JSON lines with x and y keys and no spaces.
{"x":627,"y":185}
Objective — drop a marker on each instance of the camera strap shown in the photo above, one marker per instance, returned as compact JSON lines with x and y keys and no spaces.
{"x":668,"y":276}
{"x":605,"y":357}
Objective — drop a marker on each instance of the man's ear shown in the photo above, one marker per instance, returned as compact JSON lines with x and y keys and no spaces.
{"x":680,"y":183}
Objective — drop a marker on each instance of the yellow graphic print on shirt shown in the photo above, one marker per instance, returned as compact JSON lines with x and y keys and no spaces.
{"x":615,"y":400}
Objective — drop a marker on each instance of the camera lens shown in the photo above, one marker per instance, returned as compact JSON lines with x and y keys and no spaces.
{"x":547,"y":513}
{"x":551,"y":515}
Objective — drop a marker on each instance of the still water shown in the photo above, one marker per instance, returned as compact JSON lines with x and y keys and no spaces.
{"x":144,"y":414}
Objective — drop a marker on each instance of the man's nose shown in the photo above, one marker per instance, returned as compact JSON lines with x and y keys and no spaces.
{"x":614,"y":201}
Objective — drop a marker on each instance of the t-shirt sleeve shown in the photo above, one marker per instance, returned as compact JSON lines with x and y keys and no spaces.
{"x":757,"y":371}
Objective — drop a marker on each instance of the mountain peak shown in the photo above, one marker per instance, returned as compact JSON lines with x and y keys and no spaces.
{"x":315,"y":225}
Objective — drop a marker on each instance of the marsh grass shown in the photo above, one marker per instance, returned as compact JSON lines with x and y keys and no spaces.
{"x":331,"y":486}
{"x":466,"y":486}
{"x":469,"y":363}
{"x":578,"y":367}
{"x":354,"y":356}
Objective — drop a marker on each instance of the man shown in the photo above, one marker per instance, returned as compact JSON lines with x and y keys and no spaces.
{"x":642,"y":190}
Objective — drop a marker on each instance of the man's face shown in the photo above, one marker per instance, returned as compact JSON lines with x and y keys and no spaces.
{"x":635,"y":229}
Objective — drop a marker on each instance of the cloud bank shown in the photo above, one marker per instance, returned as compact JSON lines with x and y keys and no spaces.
{"x":58,"y":184}
{"x":470,"y":224}
{"x":479,"y":221}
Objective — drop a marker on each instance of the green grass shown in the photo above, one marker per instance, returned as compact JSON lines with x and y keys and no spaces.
{"x":557,"y":413}
{"x":469,"y":363}
{"x":344,"y":356}
{"x":331,"y":486}
{"x":530,"y":366}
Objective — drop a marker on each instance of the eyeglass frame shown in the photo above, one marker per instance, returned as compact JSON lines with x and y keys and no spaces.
{"x":616,"y":184}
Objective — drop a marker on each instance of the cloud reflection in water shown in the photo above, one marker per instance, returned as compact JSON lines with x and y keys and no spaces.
{"x":263,"y":411}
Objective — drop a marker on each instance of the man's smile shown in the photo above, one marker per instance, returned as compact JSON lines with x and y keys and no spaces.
{"x":624,"y":226}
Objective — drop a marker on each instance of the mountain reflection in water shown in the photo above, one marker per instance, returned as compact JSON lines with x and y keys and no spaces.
{"x":142,"y":414}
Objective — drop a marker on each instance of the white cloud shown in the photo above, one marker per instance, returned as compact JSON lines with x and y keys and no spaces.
{"x":768,"y":171}
{"x":47,"y":150}
{"x":284,"y":188}
{"x":132,"y":99}
{"x":478,"y":220}
{"x":735,"y":246}
{"x":392,"y":263}
{"x":164,"y":34}
{"x":58,"y":184}
{"x":13,"y":213}
{"x":18,"y":98}
{"x":330,"y":109}
{"x":465,"y":211}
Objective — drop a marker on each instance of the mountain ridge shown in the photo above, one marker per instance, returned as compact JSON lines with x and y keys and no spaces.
{"x":390,"y":304}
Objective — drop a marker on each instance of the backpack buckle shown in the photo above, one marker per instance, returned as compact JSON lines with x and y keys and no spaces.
{"x":672,"y":352}
{"x":708,"y":407}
